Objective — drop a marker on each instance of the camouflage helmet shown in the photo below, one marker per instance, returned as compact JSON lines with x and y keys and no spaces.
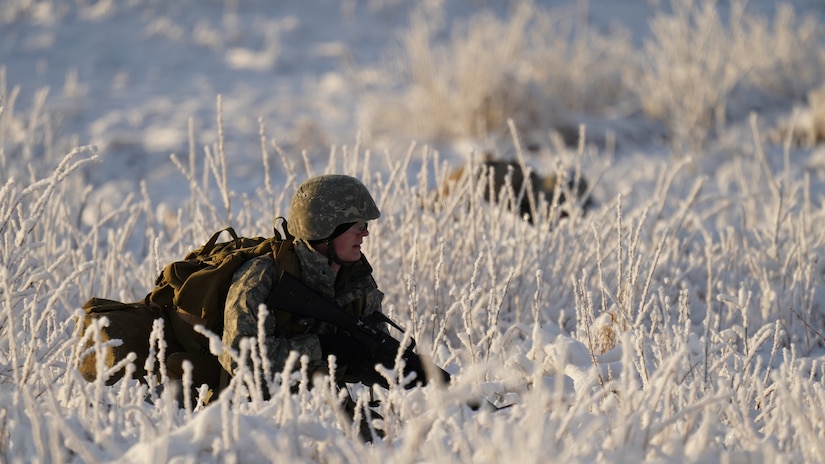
{"x":323,"y":203}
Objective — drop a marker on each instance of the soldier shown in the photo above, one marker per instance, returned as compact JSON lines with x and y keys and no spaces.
{"x":329,"y":219}
{"x":543,"y":186}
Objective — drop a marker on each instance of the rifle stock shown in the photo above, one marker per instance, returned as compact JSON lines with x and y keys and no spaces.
{"x":291,"y":295}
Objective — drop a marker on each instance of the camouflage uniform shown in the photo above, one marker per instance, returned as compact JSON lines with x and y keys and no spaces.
{"x":353,"y":288}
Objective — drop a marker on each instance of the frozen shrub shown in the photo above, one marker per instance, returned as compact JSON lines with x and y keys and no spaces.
{"x":806,"y":126}
{"x":530,"y":68}
{"x":788,"y":56}
{"x":687,"y":47}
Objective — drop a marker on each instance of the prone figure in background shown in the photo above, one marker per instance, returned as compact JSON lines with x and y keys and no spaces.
{"x":573,"y":194}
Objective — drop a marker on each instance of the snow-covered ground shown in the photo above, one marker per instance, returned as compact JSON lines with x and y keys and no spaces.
{"x":679,"y":319}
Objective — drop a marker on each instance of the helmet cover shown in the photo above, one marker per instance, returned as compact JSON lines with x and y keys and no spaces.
{"x":324,"y":202}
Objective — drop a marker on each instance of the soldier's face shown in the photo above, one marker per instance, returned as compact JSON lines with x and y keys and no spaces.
{"x":348,"y":245}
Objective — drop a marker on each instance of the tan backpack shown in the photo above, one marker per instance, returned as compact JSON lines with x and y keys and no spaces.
{"x":188,"y":292}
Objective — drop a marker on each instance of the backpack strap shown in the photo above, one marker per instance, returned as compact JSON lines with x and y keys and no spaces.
{"x":286,"y":260}
{"x":286,"y":236}
{"x":207,"y":248}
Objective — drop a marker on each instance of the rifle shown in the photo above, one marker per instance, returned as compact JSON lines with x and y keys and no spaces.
{"x":292,"y":295}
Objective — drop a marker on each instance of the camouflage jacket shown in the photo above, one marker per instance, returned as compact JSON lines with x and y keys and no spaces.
{"x":352,"y":287}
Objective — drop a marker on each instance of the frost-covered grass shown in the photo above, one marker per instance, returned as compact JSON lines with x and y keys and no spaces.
{"x":669,"y":329}
{"x":679,"y":320}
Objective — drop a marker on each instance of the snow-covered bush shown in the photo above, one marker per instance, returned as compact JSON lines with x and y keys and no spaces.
{"x":700,"y":41}
{"x":531,"y":67}
{"x":676,"y":327}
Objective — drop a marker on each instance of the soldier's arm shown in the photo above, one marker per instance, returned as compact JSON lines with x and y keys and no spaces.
{"x":252,"y":284}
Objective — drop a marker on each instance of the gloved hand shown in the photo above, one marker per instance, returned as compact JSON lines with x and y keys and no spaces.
{"x":412,"y":363}
{"x":348,"y":351}
{"x":353,"y":360}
